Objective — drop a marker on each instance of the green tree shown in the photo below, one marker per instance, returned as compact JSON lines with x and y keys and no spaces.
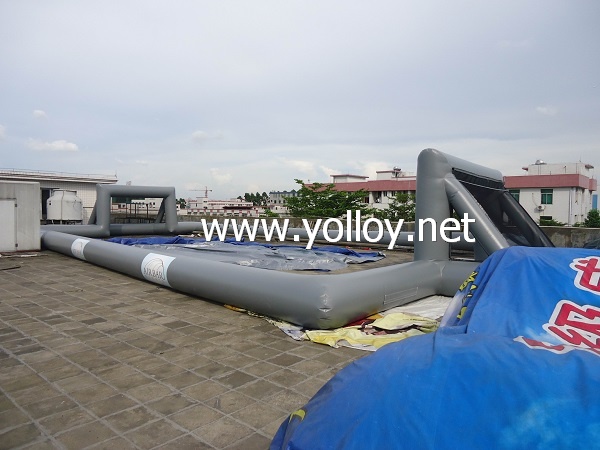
{"x":551,"y":223}
{"x":268,"y":213}
{"x":256,"y":199}
{"x":593,"y":219}
{"x":322,"y":200}
{"x":402,"y":206}
{"x":264,"y":199}
{"x":181,"y":202}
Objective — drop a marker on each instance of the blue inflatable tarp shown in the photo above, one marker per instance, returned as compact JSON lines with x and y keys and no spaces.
{"x":256,"y":254}
{"x":516,"y":364}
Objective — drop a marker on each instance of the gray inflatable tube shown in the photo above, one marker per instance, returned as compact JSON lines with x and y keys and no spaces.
{"x":313,"y":301}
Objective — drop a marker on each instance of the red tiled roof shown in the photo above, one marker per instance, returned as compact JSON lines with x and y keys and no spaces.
{"x":550,"y":181}
{"x":378,"y":185}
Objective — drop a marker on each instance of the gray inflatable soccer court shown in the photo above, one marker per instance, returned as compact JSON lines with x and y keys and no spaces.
{"x":445,"y":185}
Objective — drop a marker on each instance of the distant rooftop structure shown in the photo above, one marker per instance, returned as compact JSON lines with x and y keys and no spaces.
{"x":380,"y":191}
{"x":542,"y":168}
{"x":36,"y":175}
{"x":348,"y":178}
{"x":83,"y":184}
{"x":394,"y":174}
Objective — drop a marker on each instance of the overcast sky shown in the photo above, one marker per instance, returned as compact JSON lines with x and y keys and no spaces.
{"x":246,"y":96}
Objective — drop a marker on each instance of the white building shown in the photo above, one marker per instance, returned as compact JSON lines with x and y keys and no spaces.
{"x":233,"y":207}
{"x":562,"y":192}
{"x":382,"y":190}
{"x":84,"y":185}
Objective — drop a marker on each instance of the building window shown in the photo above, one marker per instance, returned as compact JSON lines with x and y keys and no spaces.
{"x":546,"y":196}
{"x":515,"y":193}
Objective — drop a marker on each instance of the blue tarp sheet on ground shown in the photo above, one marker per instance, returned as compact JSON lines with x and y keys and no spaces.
{"x":516,"y":365}
{"x":256,"y":254}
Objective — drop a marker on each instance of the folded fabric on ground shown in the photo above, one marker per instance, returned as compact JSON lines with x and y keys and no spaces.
{"x":255,"y":254}
{"x":515,"y":365}
{"x":374,"y":333}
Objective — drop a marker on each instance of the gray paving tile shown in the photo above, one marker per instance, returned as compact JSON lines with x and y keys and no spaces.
{"x":35,"y":394}
{"x":196,"y":416}
{"x":130,"y":419}
{"x":21,"y":383}
{"x":253,"y":442}
{"x":44,"y":444}
{"x":260,"y":389}
{"x":235,"y":379}
{"x":231,"y":401}
{"x":71,"y":384}
{"x":186,"y":442}
{"x":111,"y":405}
{"x":93,"y":393}
{"x":85,"y":435}
{"x":49,"y":406}
{"x":21,"y":435}
{"x":149,"y":392}
{"x":183,"y":379}
{"x":161,"y":370}
{"x":65,"y":420}
{"x":131,"y":381}
{"x":117,"y":443}
{"x":169,"y":404}
{"x":223,"y":432}
{"x":259,"y":415}
{"x":11,"y":418}
{"x":154,"y":434}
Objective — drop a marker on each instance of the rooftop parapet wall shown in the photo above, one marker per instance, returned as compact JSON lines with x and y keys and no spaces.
{"x":571,"y":236}
{"x":550,"y":181}
{"x":36,"y":175}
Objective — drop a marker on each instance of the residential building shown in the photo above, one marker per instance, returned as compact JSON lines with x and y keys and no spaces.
{"x":279,"y":197}
{"x":562,"y":192}
{"x":83,"y":184}
{"x":380,"y":191}
{"x":277,"y":201}
{"x":233,"y":207}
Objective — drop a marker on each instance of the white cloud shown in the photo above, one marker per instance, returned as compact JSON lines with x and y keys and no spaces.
{"x":547,"y":110}
{"x":219,"y":176}
{"x":370,"y":168}
{"x":328,"y":171}
{"x":203,"y":136}
{"x":141,"y":162}
{"x":200,"y":136}
{"x":305,"y":167}
{"x":39,"y":114}
{"x":2,"y":131}
{"x":54,"y":146}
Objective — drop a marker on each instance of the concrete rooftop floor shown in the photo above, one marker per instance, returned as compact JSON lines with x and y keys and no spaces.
{"x":91,"y":358}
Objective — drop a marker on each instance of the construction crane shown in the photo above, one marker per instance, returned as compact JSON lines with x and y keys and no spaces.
{"x":206,"y":191}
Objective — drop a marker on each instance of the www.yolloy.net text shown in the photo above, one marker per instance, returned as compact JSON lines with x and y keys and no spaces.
{"x":333,"y":230}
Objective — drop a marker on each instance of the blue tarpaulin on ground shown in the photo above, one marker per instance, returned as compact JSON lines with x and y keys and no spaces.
{"x":516,"y":364}
{"x":159,"y":240}
{"x":256,"y":254}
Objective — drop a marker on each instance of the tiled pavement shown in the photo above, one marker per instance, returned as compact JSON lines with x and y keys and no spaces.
{"x":91,"y":358}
